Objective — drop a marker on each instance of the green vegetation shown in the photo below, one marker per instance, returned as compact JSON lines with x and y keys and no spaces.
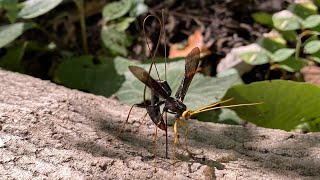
{"x":293,"y":41}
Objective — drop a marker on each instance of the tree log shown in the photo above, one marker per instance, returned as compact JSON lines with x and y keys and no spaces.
{"x":51,"y":132}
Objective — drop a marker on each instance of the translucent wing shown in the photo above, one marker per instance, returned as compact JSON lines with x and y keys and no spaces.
{"x":192,"y":62}
{"x":144,"y":77}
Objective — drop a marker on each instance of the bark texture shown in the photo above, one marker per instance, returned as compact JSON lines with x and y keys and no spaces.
{"x":52,"y":132}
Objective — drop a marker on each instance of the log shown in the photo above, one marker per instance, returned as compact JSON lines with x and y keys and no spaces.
{"x":52,"y":132}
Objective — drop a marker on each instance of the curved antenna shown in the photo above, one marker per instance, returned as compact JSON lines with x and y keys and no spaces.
{"x":165,"y":47}
{"x":149,"y":48}
{"x":148,"y":44}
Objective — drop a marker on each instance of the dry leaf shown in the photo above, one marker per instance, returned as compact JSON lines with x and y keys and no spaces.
{"x":311,"y":74}
{"x":232,"y":59}
{"x":194,"y":40}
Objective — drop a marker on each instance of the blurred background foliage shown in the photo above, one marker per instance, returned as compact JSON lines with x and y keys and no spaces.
{"x":88,"y":45}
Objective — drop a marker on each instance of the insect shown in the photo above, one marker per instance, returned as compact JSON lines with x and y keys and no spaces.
{"x":154,"y":108}
{"x":161,"y":95}
{"x":161,"y":92}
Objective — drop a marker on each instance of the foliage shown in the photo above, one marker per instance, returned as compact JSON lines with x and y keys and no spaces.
{"x":9,"y":33}
{"x":114,"y":21}
{"x":71,"y":69}
{"x":293,"y":42}
{"x":26,"y":10}
{"x":92,"y":74}
{"x":113,"y":31}
{"x":35,"y":8}
{"x":286,"y":104}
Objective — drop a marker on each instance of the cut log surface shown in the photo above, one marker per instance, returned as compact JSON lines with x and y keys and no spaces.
{"x":52,"y":132}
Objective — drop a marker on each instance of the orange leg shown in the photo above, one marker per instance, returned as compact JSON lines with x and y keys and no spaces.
{"x":126,"y":122}
{"x":185,"y":134}
{"x":176,"y":140}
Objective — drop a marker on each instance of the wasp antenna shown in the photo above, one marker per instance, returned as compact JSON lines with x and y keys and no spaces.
{"x":228,"y":106}
{"x":213,"y":105}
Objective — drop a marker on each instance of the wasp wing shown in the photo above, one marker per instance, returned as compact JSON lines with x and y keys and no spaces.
{"x":192,"y":62}
{"x":145,"y":77}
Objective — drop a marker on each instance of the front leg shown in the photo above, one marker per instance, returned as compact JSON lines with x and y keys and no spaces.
{"x":175,"y":129}
{"x":176,"y":135}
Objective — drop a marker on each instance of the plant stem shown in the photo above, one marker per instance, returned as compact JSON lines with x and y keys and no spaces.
{"x":79,"y":4}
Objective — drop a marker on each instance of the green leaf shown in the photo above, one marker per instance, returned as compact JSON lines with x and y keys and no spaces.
{"x":312,"y":21}
{"x":202,"y":91}
{"x":116,"y":9}
{"x":123,"y":24}
{"x":138,"y":8}
{"x":270,"y":45}
{"x":312,"y":47}
{"x":292,"y":64}
{"x":282,"y":54}
{"x":121,"y":64}
{"x":289,"y":35}
{"x":11,"y":7}
{"x":311,"y":38}
{"x":317,"y":2}
{"x":8,"y":4}
{"x":303,"y":10}
{"x":224,"y":116}
{"x":285,"y":21}
{"x":315,"y":57}
{"x":227,"y":72}
{"x":286,"y":104}
{"x":12,"y":60}
{"x":9,"y":33}
{"x":35,"y":8}
{"x":115,"y":41}
{"x":95,"y":75}
{"x":254,"y":58}
{"x":263,"y":18}
{"x":313,"y":125}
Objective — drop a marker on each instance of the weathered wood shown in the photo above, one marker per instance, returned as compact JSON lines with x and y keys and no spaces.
{"x":49,"y":131}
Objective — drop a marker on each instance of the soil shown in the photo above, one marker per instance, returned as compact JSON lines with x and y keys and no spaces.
{"x":51,"y":132}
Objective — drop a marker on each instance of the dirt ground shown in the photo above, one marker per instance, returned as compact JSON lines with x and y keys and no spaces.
{"x":51,"y":132}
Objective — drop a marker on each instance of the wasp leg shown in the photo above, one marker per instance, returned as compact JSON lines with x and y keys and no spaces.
{"x":125,"y":123}
{"x":185,"y":137}
{"x":185,"y":132}
{"x":176,"y":135}
{"x":176,"y":140}
{"x":141,"y":120}
{"x":127,"y":119}
{"x":164,"y":112}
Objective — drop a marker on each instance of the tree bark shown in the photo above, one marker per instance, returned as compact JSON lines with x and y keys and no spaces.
{"x":51,"y":132}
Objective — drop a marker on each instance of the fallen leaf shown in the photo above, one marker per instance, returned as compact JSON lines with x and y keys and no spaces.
{"x":232,"y":59}
{"x":194,"y":40}
{"x":311,"y":74}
